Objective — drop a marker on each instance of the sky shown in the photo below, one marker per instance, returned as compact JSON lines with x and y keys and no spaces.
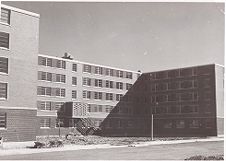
{"x":144,"y":36}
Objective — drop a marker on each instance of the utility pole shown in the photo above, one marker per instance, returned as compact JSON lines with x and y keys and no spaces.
{"x":152,"y":129}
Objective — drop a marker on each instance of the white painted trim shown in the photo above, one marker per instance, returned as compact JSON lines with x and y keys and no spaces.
{"x":17,"y":108}
{"x":21,"y":11}
{"x":220,"y":65}
{"x":80,"y":62}
{"x":42,"y":115}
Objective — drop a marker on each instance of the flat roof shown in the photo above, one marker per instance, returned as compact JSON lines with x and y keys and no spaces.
{"x":80,"y":62}
{"x":184,"y":67}
{"x":21,"y":11}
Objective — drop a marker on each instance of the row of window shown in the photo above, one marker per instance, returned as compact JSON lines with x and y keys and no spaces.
{"x":99,"y":108}
{"x":178,"y":124}
{"x":171,"y":97}
{"x":102,"y":95}
{"x":107,"y":71}
{"x":205,"y":70}
{"x":105,"y":83}
{"x":4,"y":40}
{"x":176,"y":85}
{"x":49,"y":105}
{"x":176,"y":109}
{"x":3,"y":91}
{"x":46,"y":123}
{"x":3,"y":118}
{"x":51,"y":62}
{"x":3,"y":65}
{"x":49,"y":91}
{"x":5,"y":15}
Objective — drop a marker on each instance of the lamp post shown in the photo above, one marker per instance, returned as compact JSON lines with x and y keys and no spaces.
{"x":152,"y":122}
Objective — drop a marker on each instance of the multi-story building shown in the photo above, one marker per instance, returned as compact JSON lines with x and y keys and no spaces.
{"x":183,"y":102}
{"x":19,"y":37}
{"x":64,"y":80}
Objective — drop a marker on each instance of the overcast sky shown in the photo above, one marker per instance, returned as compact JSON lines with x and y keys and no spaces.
{"x":136,"y":36}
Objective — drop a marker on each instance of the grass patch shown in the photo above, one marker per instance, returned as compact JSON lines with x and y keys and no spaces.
{"x":201,"y":157}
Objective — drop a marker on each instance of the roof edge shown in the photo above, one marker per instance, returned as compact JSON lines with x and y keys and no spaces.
{"x":21,"y":11}
{"x":80,"y":62}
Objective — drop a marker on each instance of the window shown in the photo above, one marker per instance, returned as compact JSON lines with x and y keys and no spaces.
{"x":89,"y":108}
{"x":107,"y":71}
{"x":205,"y":70}
{"x":74,"y":67}
{"x":74,"y":94}
{"x":161,"y":75}
{"x":118,"y":97}
{"x":161,"y":98}
{"x":180,"y":124}
{"x":86,"y":81}
{"x":62,"y":92}
{"x":121,"y":74}
{"x":111,"y":84}
{"x":4,"y":40}
{"x":129,"y":75}
{"x":86,"y":94}
{"x":173,"y":85}
{"x":168,"y":124}
{"x":58,"y":105}
{"x":189,"y":109}
{"x":3,"y":91}
{"x":87,"y":68}
{"x":186,"y":96}
{"x":128,"y":86}
{"x":186,"y":72}
{"x":60,"y":64}
{"x":173,"y":73}
{"x":107,"y":84}
{"x":98,"y":82}
{"x":109,"y":96}
{"x":60,"y":78}
{"x":194,"y":124}
{"x":74,"y":81}
{"x":98,"y":70}
{"x":48,"y":91}
{"x":44,"y":105}
{"x":206,"y":83}
{"x":45,"y":123}
{"x":119,"y":85}
{"x":97,"y":95}
{"x":41,"y":60}
{"x":3,"y":120}
{"x":5,"y":15}
{"x":173,"y":97}
{"x":161,"y":87}
{"x":108,"y":108}
{"x":111,"y":72}
{"x":3,"y":65}
{"x":49,"y":62}
{"x":44,"y":76}
{"x":174,"y":109}
{"x":100,"y":108}
{"x":186,"y":84}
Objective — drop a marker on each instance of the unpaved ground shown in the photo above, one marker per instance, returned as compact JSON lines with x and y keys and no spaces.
{"x":94,"y":140}
{"x":157,"y":152}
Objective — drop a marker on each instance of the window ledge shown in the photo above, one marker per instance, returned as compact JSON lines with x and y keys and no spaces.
{"x":44,"y":127}
{"x":6,"y":74}
{"x":3,"y":48}
{"x":6,"y":24}
{"x":2,"y":128}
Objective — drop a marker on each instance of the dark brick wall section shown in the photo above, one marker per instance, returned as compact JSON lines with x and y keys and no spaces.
{"x":53,"y":130}
{"x":21,"y":125}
